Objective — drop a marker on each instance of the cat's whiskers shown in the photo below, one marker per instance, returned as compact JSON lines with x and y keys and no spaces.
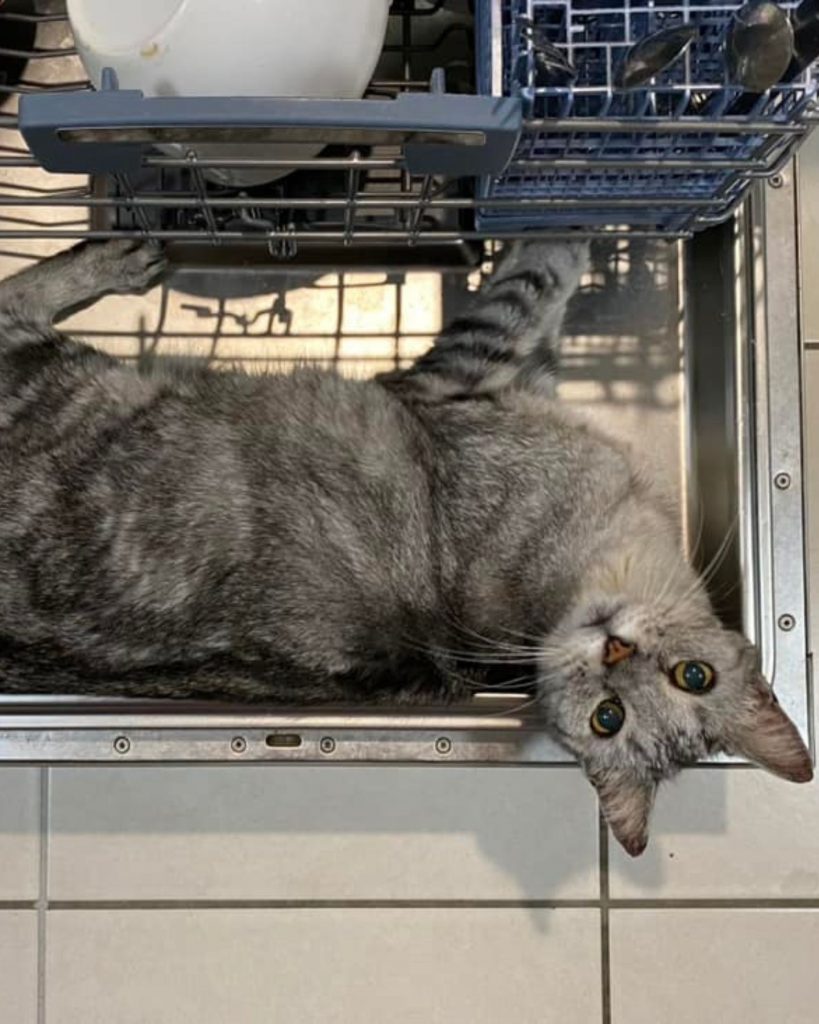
{"x":481,"y":658}
{"x":533,"y":638}
{"x":702,"y":579}
{"x":513,"y":710}
{"x":490,"y":642}
{"x":481,"y":686}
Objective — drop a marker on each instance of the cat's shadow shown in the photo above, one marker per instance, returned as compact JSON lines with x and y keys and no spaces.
{"x":673,"y":861}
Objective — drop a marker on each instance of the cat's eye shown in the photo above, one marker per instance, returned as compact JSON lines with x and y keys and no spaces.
{"x":693,"y":676}
{"x":608,"y":717}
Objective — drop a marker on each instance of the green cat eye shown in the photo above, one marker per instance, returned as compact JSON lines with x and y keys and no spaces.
{"x":608,"y":717}
{"x":693,"y":676}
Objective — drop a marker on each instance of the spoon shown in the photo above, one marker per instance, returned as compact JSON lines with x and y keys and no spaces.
{"x":652,"y":54}
{"x":758,"y":46}
{"x":805,"y":50}
{"x":551,"y":65}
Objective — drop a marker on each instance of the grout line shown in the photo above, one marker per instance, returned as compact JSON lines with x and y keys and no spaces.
{"x":728,"y":903}
{"x":605,"y":935}
{"x":604,"y":904}
{"x":165,"y":904}
{"x":42,"y":900}
{"x":18,"y":904}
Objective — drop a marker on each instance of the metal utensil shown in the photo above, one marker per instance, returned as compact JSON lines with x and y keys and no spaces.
{"x":653,"y":54}
{"x":551,"y":65}
{"x":805,"y":22}
{"x":805,"y":49}
{"x":758,"y":46}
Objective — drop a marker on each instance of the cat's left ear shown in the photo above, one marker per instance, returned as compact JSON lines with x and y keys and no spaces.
{"x":626,"y":802}
{"x":764,"y":734}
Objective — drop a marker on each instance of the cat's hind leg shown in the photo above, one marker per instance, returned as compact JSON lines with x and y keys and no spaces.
{"x":509,"y":336}
{"x":71,"y":280}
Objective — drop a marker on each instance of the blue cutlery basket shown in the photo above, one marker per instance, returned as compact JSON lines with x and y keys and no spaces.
{"x":669,"y":156}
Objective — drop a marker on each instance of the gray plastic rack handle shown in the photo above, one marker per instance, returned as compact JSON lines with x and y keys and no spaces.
{"x":109,"y":131}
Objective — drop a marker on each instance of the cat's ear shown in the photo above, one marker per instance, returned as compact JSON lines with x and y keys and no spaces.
{"x":626,"y":802}
{"x":765,"y":735}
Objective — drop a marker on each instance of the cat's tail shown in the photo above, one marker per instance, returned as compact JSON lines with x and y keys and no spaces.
{"x":509,"y":336}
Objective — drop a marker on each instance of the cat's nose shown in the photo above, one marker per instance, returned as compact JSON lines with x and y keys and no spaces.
{"x":617,"y":650}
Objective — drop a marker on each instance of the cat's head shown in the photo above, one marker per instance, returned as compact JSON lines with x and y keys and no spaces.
{"x":637,"y":689}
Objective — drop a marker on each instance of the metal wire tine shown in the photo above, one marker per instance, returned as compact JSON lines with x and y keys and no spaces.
{"x":353,"y":178}
{"x":418,"y":213}
{"x":202,"y":195}
{"x":38,"y":19}
{"x":282,"y":243}
{"x":124,"y":185}
{"x":68,"y":51}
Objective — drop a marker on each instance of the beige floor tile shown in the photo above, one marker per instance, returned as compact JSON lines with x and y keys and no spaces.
{"x":714,"y":966}
{"x":347,"y":966}
{"x":809,"y":222}
{"x":18,"y":966}
{"x":280,"y":832}
{"x":19,"y":833}
{"x":811,"y":407}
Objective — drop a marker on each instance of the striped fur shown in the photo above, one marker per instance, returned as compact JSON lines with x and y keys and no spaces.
{"x":508,"y":338}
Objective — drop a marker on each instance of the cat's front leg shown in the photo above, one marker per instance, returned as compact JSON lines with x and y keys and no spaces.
{"x":51,"y":289}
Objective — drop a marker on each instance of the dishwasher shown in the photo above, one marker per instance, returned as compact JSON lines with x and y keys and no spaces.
{"x":354,"y":257}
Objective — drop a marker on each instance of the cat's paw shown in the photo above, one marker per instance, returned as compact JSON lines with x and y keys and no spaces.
{"x":125,"y":264}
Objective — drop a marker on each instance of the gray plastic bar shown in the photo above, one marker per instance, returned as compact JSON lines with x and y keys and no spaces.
{"x":109,"y":131}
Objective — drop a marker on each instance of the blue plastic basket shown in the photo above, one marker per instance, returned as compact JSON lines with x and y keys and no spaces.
{"x":670,"y":156}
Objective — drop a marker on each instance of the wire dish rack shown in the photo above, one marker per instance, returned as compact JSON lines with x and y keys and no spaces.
{"x":370,"y":187}
{"x":426,"y":158}
{"x":677,"y":153}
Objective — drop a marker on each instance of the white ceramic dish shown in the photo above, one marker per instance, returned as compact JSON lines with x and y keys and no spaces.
{"x":305,"y":48}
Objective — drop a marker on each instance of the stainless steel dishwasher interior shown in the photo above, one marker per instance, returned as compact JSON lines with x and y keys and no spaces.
{"x":691,"y":350}
{"x":668,"y":345}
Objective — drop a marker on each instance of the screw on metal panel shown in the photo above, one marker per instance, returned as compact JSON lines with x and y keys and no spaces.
{"x":327,"y":745}
{"x":787,"y":622}
{"x":238,"y":744}
{"x":122,"y":744}
{"x":782,"y":481}
{"x":776,"y":181}
{"x":443,"y":745}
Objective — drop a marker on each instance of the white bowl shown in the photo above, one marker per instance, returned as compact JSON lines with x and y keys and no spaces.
{"x":304,"y":48}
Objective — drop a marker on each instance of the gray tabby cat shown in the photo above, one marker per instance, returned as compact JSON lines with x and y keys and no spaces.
{"x":306,"y":538}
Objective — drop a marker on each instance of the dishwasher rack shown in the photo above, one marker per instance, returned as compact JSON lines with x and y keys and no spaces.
{"x":360,"y":193}
{"x":676,"y":153}
{"x":422,"y":160}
